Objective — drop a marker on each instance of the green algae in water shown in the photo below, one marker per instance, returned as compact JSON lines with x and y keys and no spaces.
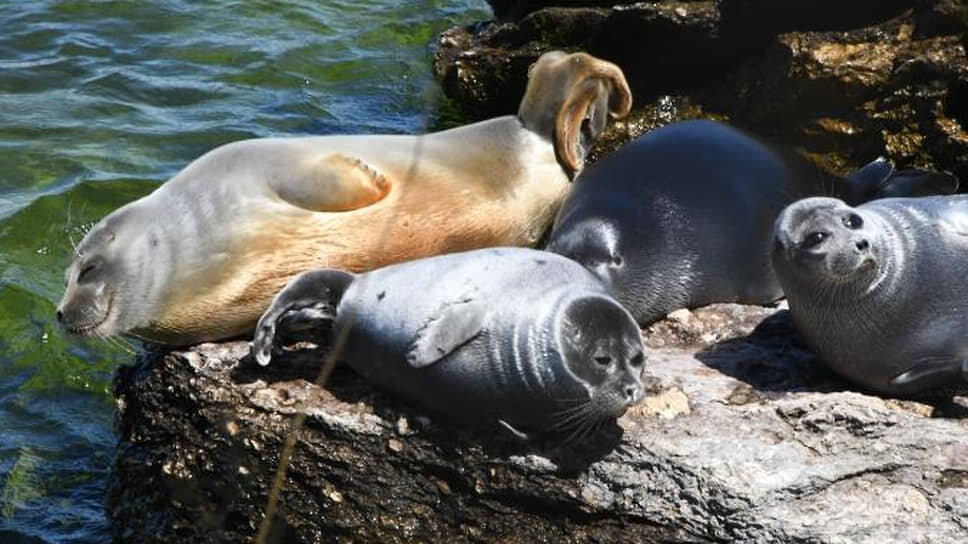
{"x":21,"y":486}
{"x":102,"y":101}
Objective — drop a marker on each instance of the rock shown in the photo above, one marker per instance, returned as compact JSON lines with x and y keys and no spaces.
{"x":774,"y":16}
{"x":842,"y":82}
{"x":484,"y":67}
{"x":515,"y":9}
{"x":744,"y":437}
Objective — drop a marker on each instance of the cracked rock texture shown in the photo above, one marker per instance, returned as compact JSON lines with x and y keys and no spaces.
{"x":843,"y":82}
{"x":743,"y":437}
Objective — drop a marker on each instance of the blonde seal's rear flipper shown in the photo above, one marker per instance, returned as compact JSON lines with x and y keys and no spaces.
{"x":569,"y":99}
{"x":309,"y":301}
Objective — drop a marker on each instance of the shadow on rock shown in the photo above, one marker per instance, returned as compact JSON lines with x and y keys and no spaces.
{"x":772,"y":358}
{"x":554,"y":453}
{"x":301,"y":359}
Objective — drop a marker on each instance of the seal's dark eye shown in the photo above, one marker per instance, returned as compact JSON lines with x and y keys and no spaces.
{"x":603,"y":360}
{"x":853,"y":221}
{"x":813,"y":240}
{"x":637,"y":361}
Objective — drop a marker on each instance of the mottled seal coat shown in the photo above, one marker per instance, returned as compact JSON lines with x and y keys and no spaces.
{"x":511,"y":336}
{"x":201,"y":257}
{"x":880,"y":291}
{"x":683,"y":216}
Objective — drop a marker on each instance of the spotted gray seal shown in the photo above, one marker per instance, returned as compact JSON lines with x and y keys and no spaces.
{"x":201,"y":257}
{"x":514,"y":337}
{"x":683,"y":216}
{"x":879,"y":291}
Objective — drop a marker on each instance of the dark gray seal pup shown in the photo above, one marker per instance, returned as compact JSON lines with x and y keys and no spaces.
{"x":880,"y":291}
{"x":519,"y":338}
{"x":683,"y":216}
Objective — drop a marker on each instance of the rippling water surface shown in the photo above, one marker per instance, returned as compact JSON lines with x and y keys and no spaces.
{"x":100,"y":101}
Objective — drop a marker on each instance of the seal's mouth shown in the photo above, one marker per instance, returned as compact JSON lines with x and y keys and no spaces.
{"x":85,"y":328}
{"x":90,"y":327}
{"x":862,"y":270}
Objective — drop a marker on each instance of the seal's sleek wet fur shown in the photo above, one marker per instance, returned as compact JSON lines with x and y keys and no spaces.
{"x":683,"y":216}
{"x":880,"y":291}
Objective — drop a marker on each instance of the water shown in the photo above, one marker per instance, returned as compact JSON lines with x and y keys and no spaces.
{"x":100,"y":101}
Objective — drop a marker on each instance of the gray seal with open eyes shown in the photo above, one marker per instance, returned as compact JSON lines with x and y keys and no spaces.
{"x":511,"y":337}
{"x":683,"y":216}
{"x":880,"y":291}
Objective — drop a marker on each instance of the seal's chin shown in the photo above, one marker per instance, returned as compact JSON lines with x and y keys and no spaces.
{"x":85,"y":329}
{"x":92,"y":325}
{"x":612,"y":404}
{"x":847,"y":274}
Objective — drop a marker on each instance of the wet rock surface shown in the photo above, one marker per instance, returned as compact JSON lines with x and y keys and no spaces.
{"x":844,"y":82}
{"x":743,"y":437}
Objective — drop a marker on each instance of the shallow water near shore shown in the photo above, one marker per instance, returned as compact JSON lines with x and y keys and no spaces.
{"x":102,"y":101}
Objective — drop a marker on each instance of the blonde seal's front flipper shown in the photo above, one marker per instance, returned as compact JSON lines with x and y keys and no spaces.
{"x":333,"y":182}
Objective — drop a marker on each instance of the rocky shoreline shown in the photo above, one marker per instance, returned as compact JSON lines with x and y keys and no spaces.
{"x":842,"y":82}
{"x":744,"y":435}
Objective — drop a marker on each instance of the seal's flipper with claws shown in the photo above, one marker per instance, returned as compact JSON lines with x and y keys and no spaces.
{"x":309,"y":300}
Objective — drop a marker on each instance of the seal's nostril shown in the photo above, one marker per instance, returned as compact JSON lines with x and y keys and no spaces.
{"x":630,"y":392}
{"x":60,"y":316}
{"x":863,"y":245}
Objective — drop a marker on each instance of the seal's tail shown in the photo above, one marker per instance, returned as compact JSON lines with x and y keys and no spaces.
{"x":306,"y":304}
{"x":879,"y":179}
